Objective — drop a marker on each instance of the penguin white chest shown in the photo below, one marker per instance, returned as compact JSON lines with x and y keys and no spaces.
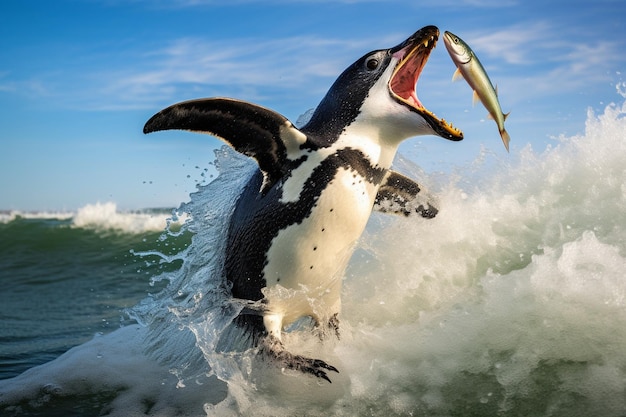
{"x":311,"y":255}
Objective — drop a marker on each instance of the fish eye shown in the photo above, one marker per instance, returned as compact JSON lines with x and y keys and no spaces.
{"x":372,"y":63}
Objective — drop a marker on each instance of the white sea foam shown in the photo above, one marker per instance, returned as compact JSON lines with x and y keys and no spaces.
{"x":9,"y":216}
{"x":106,"y":216}
{"x":103,"y":216}
{"x":510,"y":302}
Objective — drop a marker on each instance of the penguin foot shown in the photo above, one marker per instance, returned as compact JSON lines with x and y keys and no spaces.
{"x":333,"y":325}
{"x":274,"y":350}
{"x":328,"y":329}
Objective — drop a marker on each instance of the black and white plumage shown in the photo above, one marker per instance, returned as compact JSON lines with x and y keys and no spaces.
{"x":298,"y":219}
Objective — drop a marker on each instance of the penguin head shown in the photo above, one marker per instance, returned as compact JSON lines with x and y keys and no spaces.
{"x":378,"y":93}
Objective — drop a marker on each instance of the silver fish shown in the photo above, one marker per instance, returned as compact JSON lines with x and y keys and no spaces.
{"x":470,"y":68}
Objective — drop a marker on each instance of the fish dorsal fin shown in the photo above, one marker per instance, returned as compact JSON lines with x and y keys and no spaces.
{"x":457,"y":75}
{"x":255,"y":131}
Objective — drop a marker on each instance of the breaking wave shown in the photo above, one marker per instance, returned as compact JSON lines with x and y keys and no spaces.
{"x":102,"y":216}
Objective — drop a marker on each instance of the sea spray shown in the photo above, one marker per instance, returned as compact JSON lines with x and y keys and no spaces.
{"x":513,"y":295}
{"x":186,"y":318}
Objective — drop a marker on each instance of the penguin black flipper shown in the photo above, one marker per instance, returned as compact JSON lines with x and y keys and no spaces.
{"x":252,"y":130}
{"x":401,"y":195}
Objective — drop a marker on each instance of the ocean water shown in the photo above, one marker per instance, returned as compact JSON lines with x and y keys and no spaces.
{"x":511,"y":302}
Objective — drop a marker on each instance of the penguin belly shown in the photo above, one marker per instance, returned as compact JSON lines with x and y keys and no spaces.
{"x":306,"y":260}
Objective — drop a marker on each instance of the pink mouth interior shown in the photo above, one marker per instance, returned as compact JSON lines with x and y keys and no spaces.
{"x":404,"y":81}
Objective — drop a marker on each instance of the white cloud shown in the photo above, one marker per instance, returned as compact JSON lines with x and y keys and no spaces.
{"x":540,"y":58}
{"x":6,"y":84}
{"x":190,"y":65}
{"x":124,"y":78}
{"x":516,"y":44}
{"x":591,"y":57}
{"x":541,"y":43}
{"x":526,"y":59}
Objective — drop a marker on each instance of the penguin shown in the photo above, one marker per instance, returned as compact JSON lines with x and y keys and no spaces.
{"x":299,"y":217}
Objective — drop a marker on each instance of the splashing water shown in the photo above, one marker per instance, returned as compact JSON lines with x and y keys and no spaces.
{"x":510,"y":302}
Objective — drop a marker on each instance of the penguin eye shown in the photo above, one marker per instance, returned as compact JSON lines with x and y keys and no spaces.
{"x":372,"y":64}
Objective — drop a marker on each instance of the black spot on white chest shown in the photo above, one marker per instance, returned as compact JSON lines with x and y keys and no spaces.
{"x":312,"y":251}
{"x":303,"y":225}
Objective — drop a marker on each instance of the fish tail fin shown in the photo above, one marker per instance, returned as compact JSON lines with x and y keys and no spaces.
{"x":505,"y":138}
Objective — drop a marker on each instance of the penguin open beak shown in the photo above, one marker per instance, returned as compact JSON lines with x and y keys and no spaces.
{"x":412,"y":55}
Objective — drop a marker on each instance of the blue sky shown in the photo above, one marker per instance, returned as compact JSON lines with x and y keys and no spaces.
{"x":78,"y":79}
